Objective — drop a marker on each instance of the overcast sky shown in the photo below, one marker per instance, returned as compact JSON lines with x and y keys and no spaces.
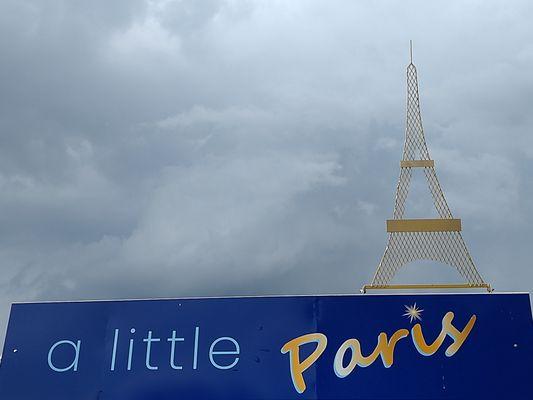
{"x":194,"y":148}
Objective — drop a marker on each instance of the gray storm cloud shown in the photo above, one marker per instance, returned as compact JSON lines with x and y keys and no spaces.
{"x":176,"y":148}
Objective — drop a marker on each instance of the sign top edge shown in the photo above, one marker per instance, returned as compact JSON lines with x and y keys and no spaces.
{"x":265,"y":296}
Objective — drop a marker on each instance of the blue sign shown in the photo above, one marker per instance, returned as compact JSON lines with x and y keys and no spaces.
{"x":438,"y":346}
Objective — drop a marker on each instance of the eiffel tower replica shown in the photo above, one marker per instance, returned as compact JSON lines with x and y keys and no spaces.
{"x":422,"y":239}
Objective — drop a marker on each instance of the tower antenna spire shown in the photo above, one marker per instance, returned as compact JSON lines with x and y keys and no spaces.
{"x":411,"y":50}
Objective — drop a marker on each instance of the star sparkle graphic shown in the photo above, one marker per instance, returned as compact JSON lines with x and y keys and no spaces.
{"x":413,"y":313}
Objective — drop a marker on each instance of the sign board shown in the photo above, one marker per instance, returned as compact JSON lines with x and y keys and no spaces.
{"x":438,"y":346}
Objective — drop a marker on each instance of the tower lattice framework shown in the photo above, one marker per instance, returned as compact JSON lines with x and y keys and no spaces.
{"x":422,"y":239}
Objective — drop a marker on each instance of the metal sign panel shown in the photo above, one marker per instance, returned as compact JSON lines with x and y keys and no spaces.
{"x":309,"y":347}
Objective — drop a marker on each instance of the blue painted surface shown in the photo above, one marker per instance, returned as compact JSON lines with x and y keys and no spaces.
{"x":494,"y":362}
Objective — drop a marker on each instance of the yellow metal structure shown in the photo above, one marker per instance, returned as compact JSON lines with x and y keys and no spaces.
{"x":417,"y":163}
{"x":410,"y":240}
{"x":429,"y":286}
{"x":424,"y":225}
